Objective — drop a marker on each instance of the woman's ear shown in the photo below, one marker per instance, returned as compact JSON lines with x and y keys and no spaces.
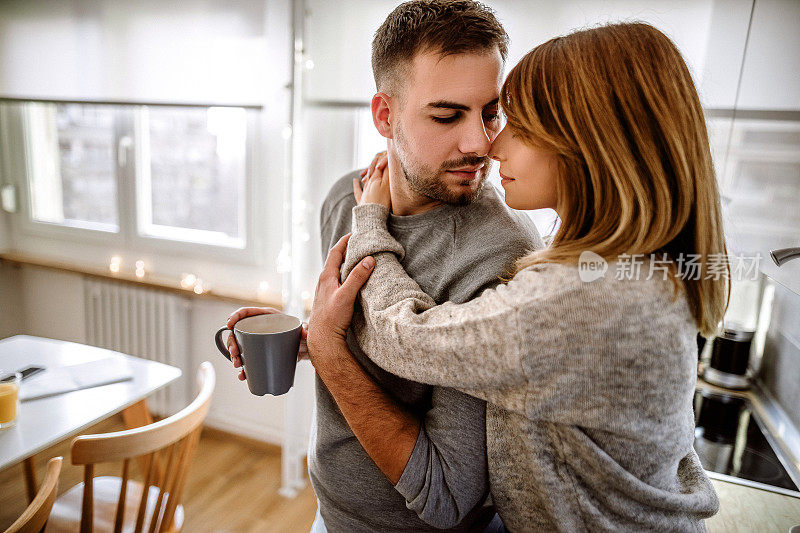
{"x":381,"y":114}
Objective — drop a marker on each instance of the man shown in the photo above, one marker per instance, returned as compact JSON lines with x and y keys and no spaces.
{"x":387,"y":454}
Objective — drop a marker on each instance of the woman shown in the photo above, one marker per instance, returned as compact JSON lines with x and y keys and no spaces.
{"x":590,"y":381}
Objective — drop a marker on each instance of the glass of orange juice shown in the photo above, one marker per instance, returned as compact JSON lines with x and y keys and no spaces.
{"x":9,"y":398}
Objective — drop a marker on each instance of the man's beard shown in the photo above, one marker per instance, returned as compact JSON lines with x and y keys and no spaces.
{"x":432,"y":184}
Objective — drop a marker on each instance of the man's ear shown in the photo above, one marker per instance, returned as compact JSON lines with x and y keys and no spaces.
{"x":382,"y":114}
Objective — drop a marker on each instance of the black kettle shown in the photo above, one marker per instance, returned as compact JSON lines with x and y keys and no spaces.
{"x":730,"y":357}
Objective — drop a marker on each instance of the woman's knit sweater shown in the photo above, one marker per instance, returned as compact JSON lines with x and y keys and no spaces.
{"x":590,"y":385}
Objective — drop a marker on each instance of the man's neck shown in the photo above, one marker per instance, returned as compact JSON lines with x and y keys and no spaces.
{"x":404,"y":200}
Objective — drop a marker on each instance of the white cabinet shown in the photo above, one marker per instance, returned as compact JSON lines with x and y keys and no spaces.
{"x":727,"y":35}
{"x":771,"y":73}
{"x":760,"y":178}
{"x":338,"y":36}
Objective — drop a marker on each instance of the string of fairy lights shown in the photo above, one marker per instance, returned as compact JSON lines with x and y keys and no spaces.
{"x":188,"y":281}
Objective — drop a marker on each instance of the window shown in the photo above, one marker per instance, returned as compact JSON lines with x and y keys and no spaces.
{"x":188,"y":167}
{"x":71,"y":168}
{"x":190,"y":176}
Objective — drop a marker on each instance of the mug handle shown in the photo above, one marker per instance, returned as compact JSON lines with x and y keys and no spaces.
{"x":220,"y":345}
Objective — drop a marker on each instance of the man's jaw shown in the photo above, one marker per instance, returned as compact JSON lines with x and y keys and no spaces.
{"x":455,"y":183}
{"x":464,"y":191}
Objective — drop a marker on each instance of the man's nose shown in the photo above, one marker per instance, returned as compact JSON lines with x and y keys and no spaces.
{"x":475,"y":139}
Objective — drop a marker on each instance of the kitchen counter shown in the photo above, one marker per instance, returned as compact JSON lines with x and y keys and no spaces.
{"x":746,"y":509}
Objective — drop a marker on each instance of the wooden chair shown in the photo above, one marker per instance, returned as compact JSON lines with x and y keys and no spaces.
{"x":35,"y":516}
{"x":110,"y":503}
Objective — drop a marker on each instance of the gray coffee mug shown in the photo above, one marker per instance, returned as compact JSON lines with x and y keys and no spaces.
{"x":268,"y":346}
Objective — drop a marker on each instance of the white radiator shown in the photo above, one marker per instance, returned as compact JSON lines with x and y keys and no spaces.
{"x":142,"y":322}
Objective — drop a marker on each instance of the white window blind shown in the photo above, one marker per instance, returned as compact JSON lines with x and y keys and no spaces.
{"x":188,"y":51}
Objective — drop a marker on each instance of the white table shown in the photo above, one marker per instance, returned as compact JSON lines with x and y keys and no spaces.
{"x":44,"y":422}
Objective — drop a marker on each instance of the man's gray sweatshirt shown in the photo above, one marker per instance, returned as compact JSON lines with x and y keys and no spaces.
{"x":454,"y":253}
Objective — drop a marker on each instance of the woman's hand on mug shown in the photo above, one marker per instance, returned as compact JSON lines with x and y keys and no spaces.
{"x":333,"y":303}
{"x":374,"y":188}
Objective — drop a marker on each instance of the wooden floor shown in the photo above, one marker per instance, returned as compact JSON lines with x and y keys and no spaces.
{"x":232,"y":486}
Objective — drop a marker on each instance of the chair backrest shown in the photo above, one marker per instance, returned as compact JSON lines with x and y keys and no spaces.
{"x":35,"y":516}
{"x":175,"y":438}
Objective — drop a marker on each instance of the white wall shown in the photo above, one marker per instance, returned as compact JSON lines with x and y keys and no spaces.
{"x":11,"y":312}
{"x":5,"y":232}
{"x":52,"y":304}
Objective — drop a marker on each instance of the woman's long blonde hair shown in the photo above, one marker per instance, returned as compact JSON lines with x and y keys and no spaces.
{"x":618,"y":105}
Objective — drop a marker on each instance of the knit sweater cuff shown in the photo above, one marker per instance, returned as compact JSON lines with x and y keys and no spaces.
{"x":370,"y":236}
{"x":369,"y":216}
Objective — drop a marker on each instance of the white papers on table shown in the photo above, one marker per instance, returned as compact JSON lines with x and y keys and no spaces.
{"x":58,"y":380}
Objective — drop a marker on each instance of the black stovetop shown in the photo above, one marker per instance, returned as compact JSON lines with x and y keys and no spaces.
{"x":730,"y":440}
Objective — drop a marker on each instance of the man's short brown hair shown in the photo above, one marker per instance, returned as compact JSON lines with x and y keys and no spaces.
{"x":444,"y":26}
